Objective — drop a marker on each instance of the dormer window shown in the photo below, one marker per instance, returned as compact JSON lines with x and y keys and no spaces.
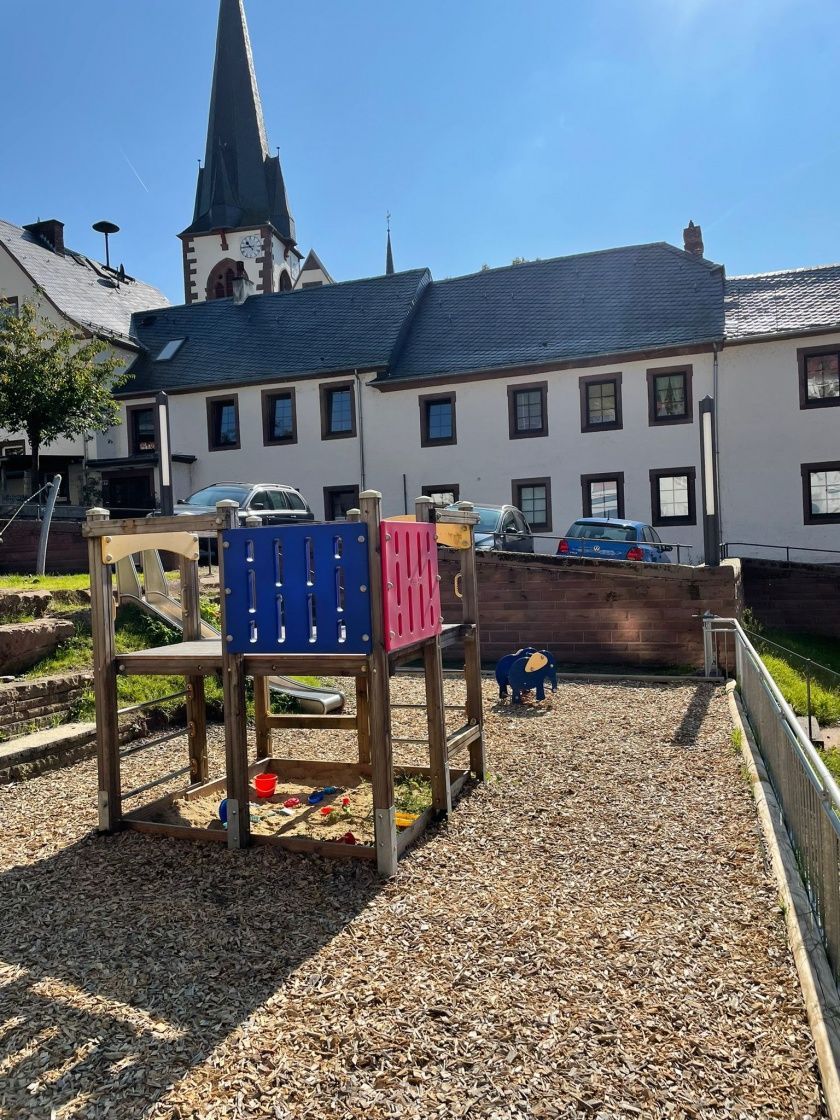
{"x":170,"y":350}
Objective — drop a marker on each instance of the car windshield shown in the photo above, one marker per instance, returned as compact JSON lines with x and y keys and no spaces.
{"x":602,"y":531}
{"x":210,"y":495}
{"x":488,"y":519}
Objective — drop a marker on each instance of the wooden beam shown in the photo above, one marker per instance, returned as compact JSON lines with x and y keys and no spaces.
{"x":381,"y":750}
{"x":236,"y":730}
{"x":436,"y":721}
{"x":408,"y":835}
{"x":262,"y":717}
{"x":464,"y":737}
{"x":337,"y":722}
{"x":104,"y":680}
{"x":189,"y":523}
{"x":472,"y":654}
{"x":363,"y":718}
{"x":196,"y":700}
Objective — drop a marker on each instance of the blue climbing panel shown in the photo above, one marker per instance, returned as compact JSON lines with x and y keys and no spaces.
{"x":298,"y":589}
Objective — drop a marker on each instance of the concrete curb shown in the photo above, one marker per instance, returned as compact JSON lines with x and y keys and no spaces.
{"x":819,"y":991}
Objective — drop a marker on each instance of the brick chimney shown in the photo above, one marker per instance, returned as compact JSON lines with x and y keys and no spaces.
{"x":693,"y":239}
{"x":243,"y":286}
{"x":49,"y":233}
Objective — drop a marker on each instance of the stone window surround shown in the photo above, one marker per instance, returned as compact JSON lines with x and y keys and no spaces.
{"x":325,"y":392}
{"x":606,"y":476}
{"x":529,"y":433}
{"x":812,"y":352}
{"x":266,"y":399}
{"x":816,"y":518}
{"x":655,"y":421}
{"x":424,"y":400}
{"x":595,"y":379}
{"x":670,"y":472}
{"x":226,"y":398}
{"x":515,"y":487}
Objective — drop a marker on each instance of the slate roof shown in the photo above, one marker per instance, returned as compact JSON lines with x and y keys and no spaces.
{"x":352,"y":325}
{"x":79,"y":287}
{"x":798,"y":299}
{"x":615,"y":301}
{"x":241,"y":184}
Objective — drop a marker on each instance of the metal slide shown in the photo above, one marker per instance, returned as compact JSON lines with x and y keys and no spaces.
{"x":156,"y":599}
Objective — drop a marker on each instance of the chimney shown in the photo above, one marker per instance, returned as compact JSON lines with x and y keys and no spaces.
{"x":242,"y":285}
{"x":693,"y":239}
{"x":49,"y":233}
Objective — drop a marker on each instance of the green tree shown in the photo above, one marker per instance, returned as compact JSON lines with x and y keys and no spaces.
{"x":54,"y":381}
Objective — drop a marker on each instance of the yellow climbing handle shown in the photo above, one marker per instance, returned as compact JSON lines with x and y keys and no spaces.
{"x":458,"y":593}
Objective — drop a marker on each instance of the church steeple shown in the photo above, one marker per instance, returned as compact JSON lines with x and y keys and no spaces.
{"x":240,"y":187}
{"x":241,"y":184}
{"x":389,"y":256}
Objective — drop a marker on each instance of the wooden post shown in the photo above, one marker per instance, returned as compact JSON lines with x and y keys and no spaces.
{"x":104,"y":678}
{"x":353,"y":515}
{"x":363,"y":718}
{"x":472,"y":651}
{"x":423,"y":508}
{"x":379,"y":692}
{"x":262,"y":694}
{"x":196,"y":703}
{"x":236,"y":728}
{"x":436,"y":717}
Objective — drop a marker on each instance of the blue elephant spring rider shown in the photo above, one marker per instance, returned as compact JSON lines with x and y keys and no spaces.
{"x":525,"y":671}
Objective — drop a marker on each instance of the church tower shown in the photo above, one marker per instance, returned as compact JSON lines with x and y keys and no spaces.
{"x":242,"y":220}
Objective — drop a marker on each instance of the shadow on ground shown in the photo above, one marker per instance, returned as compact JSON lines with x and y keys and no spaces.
{"x":127,"y":960}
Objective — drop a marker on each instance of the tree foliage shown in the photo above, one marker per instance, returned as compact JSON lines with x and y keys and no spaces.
{"x":54,"y":382}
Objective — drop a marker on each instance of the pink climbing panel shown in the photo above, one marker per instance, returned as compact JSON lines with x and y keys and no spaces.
{"x":411,"y":592}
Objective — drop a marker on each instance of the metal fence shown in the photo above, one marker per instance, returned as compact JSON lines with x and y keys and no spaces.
{"x":734,"y":548}
{"x":808,"y":795}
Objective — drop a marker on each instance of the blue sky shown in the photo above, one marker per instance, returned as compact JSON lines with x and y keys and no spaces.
{"x":491,"y":129}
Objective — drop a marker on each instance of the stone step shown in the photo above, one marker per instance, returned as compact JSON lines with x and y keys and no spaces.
{"x":46,"y":750}
{"x":14,"y":603}
{"x":24,"y":644}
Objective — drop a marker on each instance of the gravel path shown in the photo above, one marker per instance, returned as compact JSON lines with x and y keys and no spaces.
{"x":593,"y":934}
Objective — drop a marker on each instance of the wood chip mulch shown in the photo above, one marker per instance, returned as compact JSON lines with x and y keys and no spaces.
{"x":593,"y":934}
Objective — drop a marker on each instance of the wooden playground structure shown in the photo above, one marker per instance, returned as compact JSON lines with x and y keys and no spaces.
{"x":356,"y":599}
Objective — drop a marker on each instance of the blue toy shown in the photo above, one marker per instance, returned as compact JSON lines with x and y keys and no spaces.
{"x":524,"y":671}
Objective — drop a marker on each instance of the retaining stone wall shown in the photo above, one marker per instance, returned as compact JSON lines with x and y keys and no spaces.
{"x":66,"y":548}
{"x":35,"y":702}
{"x":589,"y":612}
{"x":799,"y":597}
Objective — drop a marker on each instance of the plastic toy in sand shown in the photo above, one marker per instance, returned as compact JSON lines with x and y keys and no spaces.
{"x":525,"y":671}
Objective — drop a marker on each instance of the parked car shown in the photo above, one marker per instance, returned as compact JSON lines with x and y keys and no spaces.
{"x":501,"y":529}
{"x":613,"y":539}
{"x":272,"y":502}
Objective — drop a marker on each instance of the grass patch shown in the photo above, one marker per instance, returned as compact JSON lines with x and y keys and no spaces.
{"x":80,"y":582}
{"x":17,"y":617}
{"x":789,"y":676}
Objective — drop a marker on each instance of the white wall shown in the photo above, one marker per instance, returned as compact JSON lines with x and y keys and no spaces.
{"x":765,"y":437}
{"x":207,"y":252}
{"x":483,"y":462}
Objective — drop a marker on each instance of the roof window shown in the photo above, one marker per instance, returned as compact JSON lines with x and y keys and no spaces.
{"x":170,"y":350}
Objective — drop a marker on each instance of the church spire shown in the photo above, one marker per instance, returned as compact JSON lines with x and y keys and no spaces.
{"x":389,"y":256}
{"x":240,"y":185}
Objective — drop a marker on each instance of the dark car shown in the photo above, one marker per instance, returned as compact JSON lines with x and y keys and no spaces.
{"x":501,"y":529}
{"x":272,"y":502}
{"x":608,"y":538}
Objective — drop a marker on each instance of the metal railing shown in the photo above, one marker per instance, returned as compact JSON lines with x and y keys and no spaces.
{"x":807,"y":793}
{"x":727,"y":546}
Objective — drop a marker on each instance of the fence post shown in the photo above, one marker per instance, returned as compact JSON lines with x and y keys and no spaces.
{"x":709,"y":662}
{"x":808,"y":702}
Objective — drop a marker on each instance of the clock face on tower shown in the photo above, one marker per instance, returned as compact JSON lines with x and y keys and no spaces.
{"x":251,"y":246}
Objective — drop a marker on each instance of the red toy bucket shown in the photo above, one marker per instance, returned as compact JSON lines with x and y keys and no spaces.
{"x":265,"y":785}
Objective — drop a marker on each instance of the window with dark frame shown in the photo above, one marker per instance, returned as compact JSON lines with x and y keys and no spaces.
{"x":223,"y":423}
{"x":279,"y":416}
{"x":142,"y":435}
{"x":603,"y":495}
{"x":338,"y":411}
{"x":527,"y":415}
{"x":821,"y":493}
{"x":338,"y":500}
{"x":600,"y":403}
{"x":672,"y":496}
{"x":437,"y":420}
{"x":446,"y":494}
{"x":669,"y":395}
{"x":533,"y":497}
{"x":819,"y":378}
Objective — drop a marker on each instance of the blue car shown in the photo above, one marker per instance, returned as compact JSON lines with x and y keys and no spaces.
{"x":602,"y":538}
